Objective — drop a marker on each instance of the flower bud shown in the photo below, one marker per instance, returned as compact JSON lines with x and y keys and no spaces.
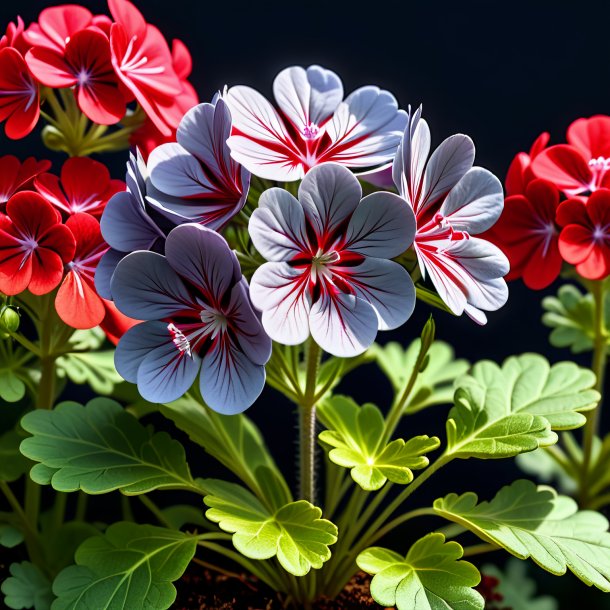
{"x":9,"y":321}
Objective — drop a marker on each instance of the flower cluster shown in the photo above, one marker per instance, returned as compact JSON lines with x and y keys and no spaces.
{"x":557,"y":207}
{"x":327,"y":263}
{"x":50,"y":237}
{"x":107,"y":62}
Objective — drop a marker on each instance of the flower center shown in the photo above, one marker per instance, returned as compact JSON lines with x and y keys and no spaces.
{"x":320,"y":264}
{"x":598,"y":167}
{"x":83,"y":77}
{"x":310,"y":132}
{"x":599,"y":233}
{"x":215,"y":321}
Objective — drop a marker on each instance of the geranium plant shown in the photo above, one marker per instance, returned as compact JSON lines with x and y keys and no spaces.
{"x":255,"y":245}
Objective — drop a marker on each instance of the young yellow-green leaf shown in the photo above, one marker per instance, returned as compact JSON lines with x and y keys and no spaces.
{"x":355,"y":433}
{"x":571,"y":316}
{"x":434,"y":385}
{"x":99,"y":448}
{"x":294,"y":533}
{"x":236,"y":443}
{"x":130,"y":567}
{"x":503,"y":411}
{"x":27,"y":587}
{"x":12,"y":388}
{"x":534,"y":522}
{"x":430,"y":577}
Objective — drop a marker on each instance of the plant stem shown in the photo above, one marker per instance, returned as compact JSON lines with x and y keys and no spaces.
{"x":307,"y":425}
{"x":478,"y":549}
{"x":600,"y":354}
{"x":156,"y":511}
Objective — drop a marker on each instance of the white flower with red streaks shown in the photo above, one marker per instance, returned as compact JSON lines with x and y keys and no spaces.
{"x":453,"y":201}
{"x":328,"y":272}
{"x":314,"y":125}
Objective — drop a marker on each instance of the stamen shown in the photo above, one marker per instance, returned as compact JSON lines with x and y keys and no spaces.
{"x":310,"y":132}
{"x":179,"y":340}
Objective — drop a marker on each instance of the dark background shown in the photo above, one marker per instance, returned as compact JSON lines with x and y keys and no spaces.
{"x":501,"y":72}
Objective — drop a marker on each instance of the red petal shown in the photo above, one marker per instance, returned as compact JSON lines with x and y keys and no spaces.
{"x":47,"y":271}
{"x":575,"y":243}
{"x":50,"y":68}
{"x":591,"y":136}
{"x":565,"y":167}
{"x":543,"y":266}
{"x":115,"y":324}
{"x":59,"y":239}
{"x":572,"y":211}
{"x":15,"y":270}
{"x":598,"y":207}
{"x":597,"y":265}
{"x":87,"y":233}
{"x":128,"y":16}
{"x":78,"y":304}
{"x":103,"y":104}
{"x":60,"y":23}
{"x":181,"y":59}
{"x":539,"y":144}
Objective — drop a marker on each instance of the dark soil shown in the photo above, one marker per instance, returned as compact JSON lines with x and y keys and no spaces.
{"x":201,"y":589}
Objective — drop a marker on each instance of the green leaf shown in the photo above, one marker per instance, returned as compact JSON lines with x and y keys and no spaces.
{"x":60,"y":543}
{"x":130,"y":567}
{"x":12,"y":463}
{"x":27,"y":587}
{"x":12,"y":388}
{"x":93,"y":368}
{"x":10,"y":536}
{"x":355,"y":433}
{"x":430,"y":577}
{"x":294,"y":533}
{"x":571,"y":316}
{"x":517,"y":590}
{"x":236,"y":443}
{"x":501,"y":412}
{"x":99,"y":448}
{"x":434,"y":385}
{"x":536,"y":523}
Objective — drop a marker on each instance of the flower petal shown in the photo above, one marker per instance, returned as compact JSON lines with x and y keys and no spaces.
{"x":126,"y":226}
{"x":342,"y":324}
{"x":591,"y":136}
{"x":565,"y":167}
{"x":204,"y":258}
{"x":251,"y":337}
{"x":475,"y":203}
{"x":166,"y":374}
{"x":260,"y":140}
{"x":446,"y":167}
{"x":307,"y":96}
{"x":411,"y":157}
{"x":329,"y":195}
{"x":136,"y":344}
{"x":387,"y":287}
{"x":104,"y":270}
{"x":277,"y":227}
{"x":381,"y":226}
{"x":281,"y":293}
{"x":77,"y":303}
{"x":144,"y":286}
{"x":230,"y":382}
{"x":365,"y":129}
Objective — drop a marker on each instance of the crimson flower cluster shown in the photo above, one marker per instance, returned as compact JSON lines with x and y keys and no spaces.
{"x":50,"y":236}
{"x":557,"y":207}
{"x":108,"y":62}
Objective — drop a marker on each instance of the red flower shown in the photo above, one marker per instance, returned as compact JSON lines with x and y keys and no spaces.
{"x":77,"y":302}
{"x":34,"y":245}
{"x":56,"y":26}
{"x":19,"y":95}
{"x":585,"y":238}
{"x":526,"y":232}
{"x":85,"y":65}
{"x":583,"y":165}
{"x":147,"y":137}
{"x":143,"y":62}
{"x":520,"y":172}
{"x":85,"y":186}
{"x":16,"y":176}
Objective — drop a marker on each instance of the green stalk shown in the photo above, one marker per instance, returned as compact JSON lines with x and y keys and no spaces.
{"x":600,"y":355}
{"x":307,"y":425}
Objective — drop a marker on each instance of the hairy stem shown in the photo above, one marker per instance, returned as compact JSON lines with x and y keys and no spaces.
{"x":600,"y":354}
{"x":307,"y":425}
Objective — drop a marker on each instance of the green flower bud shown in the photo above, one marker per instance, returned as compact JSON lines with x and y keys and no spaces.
{"x":9,"y":320}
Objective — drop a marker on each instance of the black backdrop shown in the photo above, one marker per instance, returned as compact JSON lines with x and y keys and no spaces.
{"x":501,"y":72}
